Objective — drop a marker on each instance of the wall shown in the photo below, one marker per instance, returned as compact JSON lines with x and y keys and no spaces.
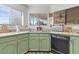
{"x":38,"y":9}
{"x":21,"y":8}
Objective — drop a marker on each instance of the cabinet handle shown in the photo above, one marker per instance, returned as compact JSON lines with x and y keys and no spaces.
{"x":72,"y":44}
{"x":72,"y":41}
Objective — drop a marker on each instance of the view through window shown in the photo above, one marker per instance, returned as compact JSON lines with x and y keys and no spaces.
{"x":36,"y":20}
{"x":9,"y":15}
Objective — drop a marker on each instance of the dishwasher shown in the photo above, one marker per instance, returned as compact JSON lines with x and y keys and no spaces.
{"x":60,"y":43}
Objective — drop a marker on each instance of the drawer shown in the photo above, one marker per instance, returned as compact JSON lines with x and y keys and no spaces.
{"x":33,"y":34}
{"x":22,"y":36}
{"x":23,"y":39}
{"x":47,"y":35}
{"x":6,"y":39}
{"x":74,"y":37}
{"x":34,"y":38}
{"x":45,"y":38}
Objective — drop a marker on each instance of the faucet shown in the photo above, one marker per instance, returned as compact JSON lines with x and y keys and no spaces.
{"x":17,"y":28}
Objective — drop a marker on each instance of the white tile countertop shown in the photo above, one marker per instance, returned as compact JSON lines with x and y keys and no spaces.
{"x":61,"y":33}
{"x":12,"y":33}
{"x":65,"y":33}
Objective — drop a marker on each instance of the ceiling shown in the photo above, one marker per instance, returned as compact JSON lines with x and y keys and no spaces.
{"x":40,"y":10}
{"x":39,"y":5}
{"x":56,"y":7}
{"x":51,"y":7}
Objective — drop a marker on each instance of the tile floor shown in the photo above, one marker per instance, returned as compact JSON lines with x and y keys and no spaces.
{"x":39,"y":53}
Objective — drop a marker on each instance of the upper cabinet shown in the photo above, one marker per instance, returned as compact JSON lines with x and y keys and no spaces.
{"x":72,"y":15}
{"x":68,"y":16}
{"x":59,"y":17}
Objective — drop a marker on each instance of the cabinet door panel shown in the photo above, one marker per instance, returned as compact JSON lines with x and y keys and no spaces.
{"x":34,"y":44}
{"x":44,"y":35}
{"x":22,"y":36}
{"x":73,"y":15}
{"x":74,"y":45}
{"x":44,"y":44}
{"x":6,"y":39}
{"x":22,"y":45}
{"x":59,"y":17}
{"x":34,"y":35}
{"x":8,"y":48}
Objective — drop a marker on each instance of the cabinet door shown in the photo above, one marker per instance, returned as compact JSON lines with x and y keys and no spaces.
{"x":8,"y":47}
{"x":73,"y":15}
{"x":59,"y":17}
{"x":22,"y":45}
{"x":34,"y":44}
{"x":74,"y":45}
{"x":44,"y":44}
{"x":20,"y":36}
{"x":6,"y":39}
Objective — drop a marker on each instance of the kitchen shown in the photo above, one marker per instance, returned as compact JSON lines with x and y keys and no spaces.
{"x":39,"y":29}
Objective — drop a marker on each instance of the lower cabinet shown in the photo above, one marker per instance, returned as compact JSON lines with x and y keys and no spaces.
{"x":74,"y":45}
{"x":34,"y":44}
{"x":39,"y":43}
{"x":44,"y":44}
{"x":22,"y":45}
{"x":17,"y":44}
{"x":8,"y":47}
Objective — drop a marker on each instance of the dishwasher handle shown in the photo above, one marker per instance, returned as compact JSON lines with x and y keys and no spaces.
{"x":61,"y":37}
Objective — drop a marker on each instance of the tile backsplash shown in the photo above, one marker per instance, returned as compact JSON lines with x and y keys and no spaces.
{"x":34,"y":28}
{"x":75,"y":27}
{"x":12,"y":28}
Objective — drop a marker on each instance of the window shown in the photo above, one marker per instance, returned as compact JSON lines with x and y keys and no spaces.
{"x":37,"y":21}
{"x":4,"y":15}
{"x":9,"y":15}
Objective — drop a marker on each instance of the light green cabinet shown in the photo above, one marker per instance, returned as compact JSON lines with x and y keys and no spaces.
{"x":14,"y":44}
{"x":22,"y":43}
{"x":39,"y":42}
{"x":74,"y":44}
{"x":44,"y":44}
{"x":22,"y":46}
{"x":34,"y":35}
{"x":9,"y":46}
{"x":44,"y":35}
{"x":34,"y":44}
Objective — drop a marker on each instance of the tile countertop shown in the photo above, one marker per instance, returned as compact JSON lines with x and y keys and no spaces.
{"x":12,"y":33}
{"x":60,"y":33}
{"x":66,"y":33}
